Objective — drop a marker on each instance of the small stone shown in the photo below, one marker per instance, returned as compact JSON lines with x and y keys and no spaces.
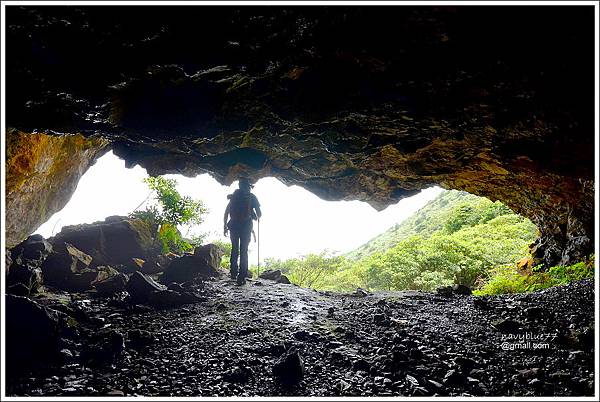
{"x":342,"y":386}
{"x":66,"y":354}
{"x":466,"y":364}
{"x":506,"y":325}
{"x":560,"y":376}
{"x":434,"y":385}
{"x":289,"y":368}
{"x":480,"y":303}
{"x":461,"y":290}
{"x":445,"y":291}
{"x":453,"y":377}
{"x":534,"y":312}
{"x":238,"y":375}
{"x":361,"y":365}
{"x":412,"y":380}
{"x":528,"y":374}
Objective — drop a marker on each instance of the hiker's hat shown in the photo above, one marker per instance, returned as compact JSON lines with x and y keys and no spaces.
{"x":245,"y":182}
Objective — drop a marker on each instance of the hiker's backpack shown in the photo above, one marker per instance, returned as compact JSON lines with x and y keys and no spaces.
{"x":240,"y":207}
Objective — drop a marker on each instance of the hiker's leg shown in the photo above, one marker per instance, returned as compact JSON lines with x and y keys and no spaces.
{"x":244,"y":242}
{"x":235,"y":251}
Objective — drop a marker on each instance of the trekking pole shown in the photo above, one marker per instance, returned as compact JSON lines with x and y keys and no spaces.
{"x":258,"y":248}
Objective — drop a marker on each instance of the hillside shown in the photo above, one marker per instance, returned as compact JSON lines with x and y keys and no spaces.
{"x":426,"y":221}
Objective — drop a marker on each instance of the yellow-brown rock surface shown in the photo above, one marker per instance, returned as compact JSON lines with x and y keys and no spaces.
{"x":42,"y":172}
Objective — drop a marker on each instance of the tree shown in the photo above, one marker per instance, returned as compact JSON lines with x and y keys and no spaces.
{"x":170,"y":210}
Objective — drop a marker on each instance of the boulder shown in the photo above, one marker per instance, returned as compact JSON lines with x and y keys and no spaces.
{"x":275,"y":275}
{"x":111,"y":284}
{"x":461,"y":290}
{"x":445,"y":291}
{"x":18,"y":289}
{"x":34,"y":248}
{"x":151,"y":267}
{"x":104,"y":273}
{"x":271,"y":274}
{"x":140,"y":287}
{"x":68,"y":268}
{"x":64,"y":261}
{"x":24,"y":262}
{"x":113,"y":241}
{"x":165,"y":259}
{"x":283,"y":279}
{"x":132,"y":265}
{"x":29,"y":277}
{"x":209,"y":255}
{"x":288,"y":370}
{"x":189,"y":267}
{"x":80,"y":281}
{"x":32,"y":332}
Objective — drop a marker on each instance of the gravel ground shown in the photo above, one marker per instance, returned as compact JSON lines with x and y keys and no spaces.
{"x":384,"y":344}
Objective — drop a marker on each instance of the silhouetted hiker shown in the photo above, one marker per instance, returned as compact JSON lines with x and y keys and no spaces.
{"x":243,"y":207}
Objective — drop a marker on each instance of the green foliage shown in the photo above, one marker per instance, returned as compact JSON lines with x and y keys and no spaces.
{"x":473,"y":212}
{"x":307,"y":271}
{"x":464,"y":256}
{"x":197,"y":240}
{"x":170,"y":210}
{"x":449,"y":212}
{"x":174,"y":208}
{"x":150,"y":215}
{"x":456,"y":238}
{"x":506,"y":279}
{"x":171,"y":240}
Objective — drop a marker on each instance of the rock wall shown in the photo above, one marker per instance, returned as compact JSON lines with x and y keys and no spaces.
{"x":367,"y":103}
{"x":42,"y":172}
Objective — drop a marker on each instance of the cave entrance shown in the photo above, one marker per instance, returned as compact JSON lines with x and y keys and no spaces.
{"x":433,"y":238}
{"x":295,"y":222}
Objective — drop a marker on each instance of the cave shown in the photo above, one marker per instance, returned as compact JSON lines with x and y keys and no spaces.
{"x":315,"y":96}
{"x":349,"y":102}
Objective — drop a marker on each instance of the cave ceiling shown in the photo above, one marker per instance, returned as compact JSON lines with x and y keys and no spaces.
{"x":349,"y":102}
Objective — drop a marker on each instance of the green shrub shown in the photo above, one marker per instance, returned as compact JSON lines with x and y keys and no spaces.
{"x":171,"y":241}
{"x":506,"y":279}
{"x":169,"y":210}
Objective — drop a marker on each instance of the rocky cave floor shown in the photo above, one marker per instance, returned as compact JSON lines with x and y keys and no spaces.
{"x":397,"y":343}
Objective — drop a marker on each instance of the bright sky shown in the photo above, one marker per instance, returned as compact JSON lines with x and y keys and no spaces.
{"x":294,"y":221}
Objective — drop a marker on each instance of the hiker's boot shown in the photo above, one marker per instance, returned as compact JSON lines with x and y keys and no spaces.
{"x":241,"y":280}
{"x":233,"y":275}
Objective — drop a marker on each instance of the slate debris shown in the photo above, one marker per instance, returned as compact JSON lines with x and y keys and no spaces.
{"x":245,"y":342}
